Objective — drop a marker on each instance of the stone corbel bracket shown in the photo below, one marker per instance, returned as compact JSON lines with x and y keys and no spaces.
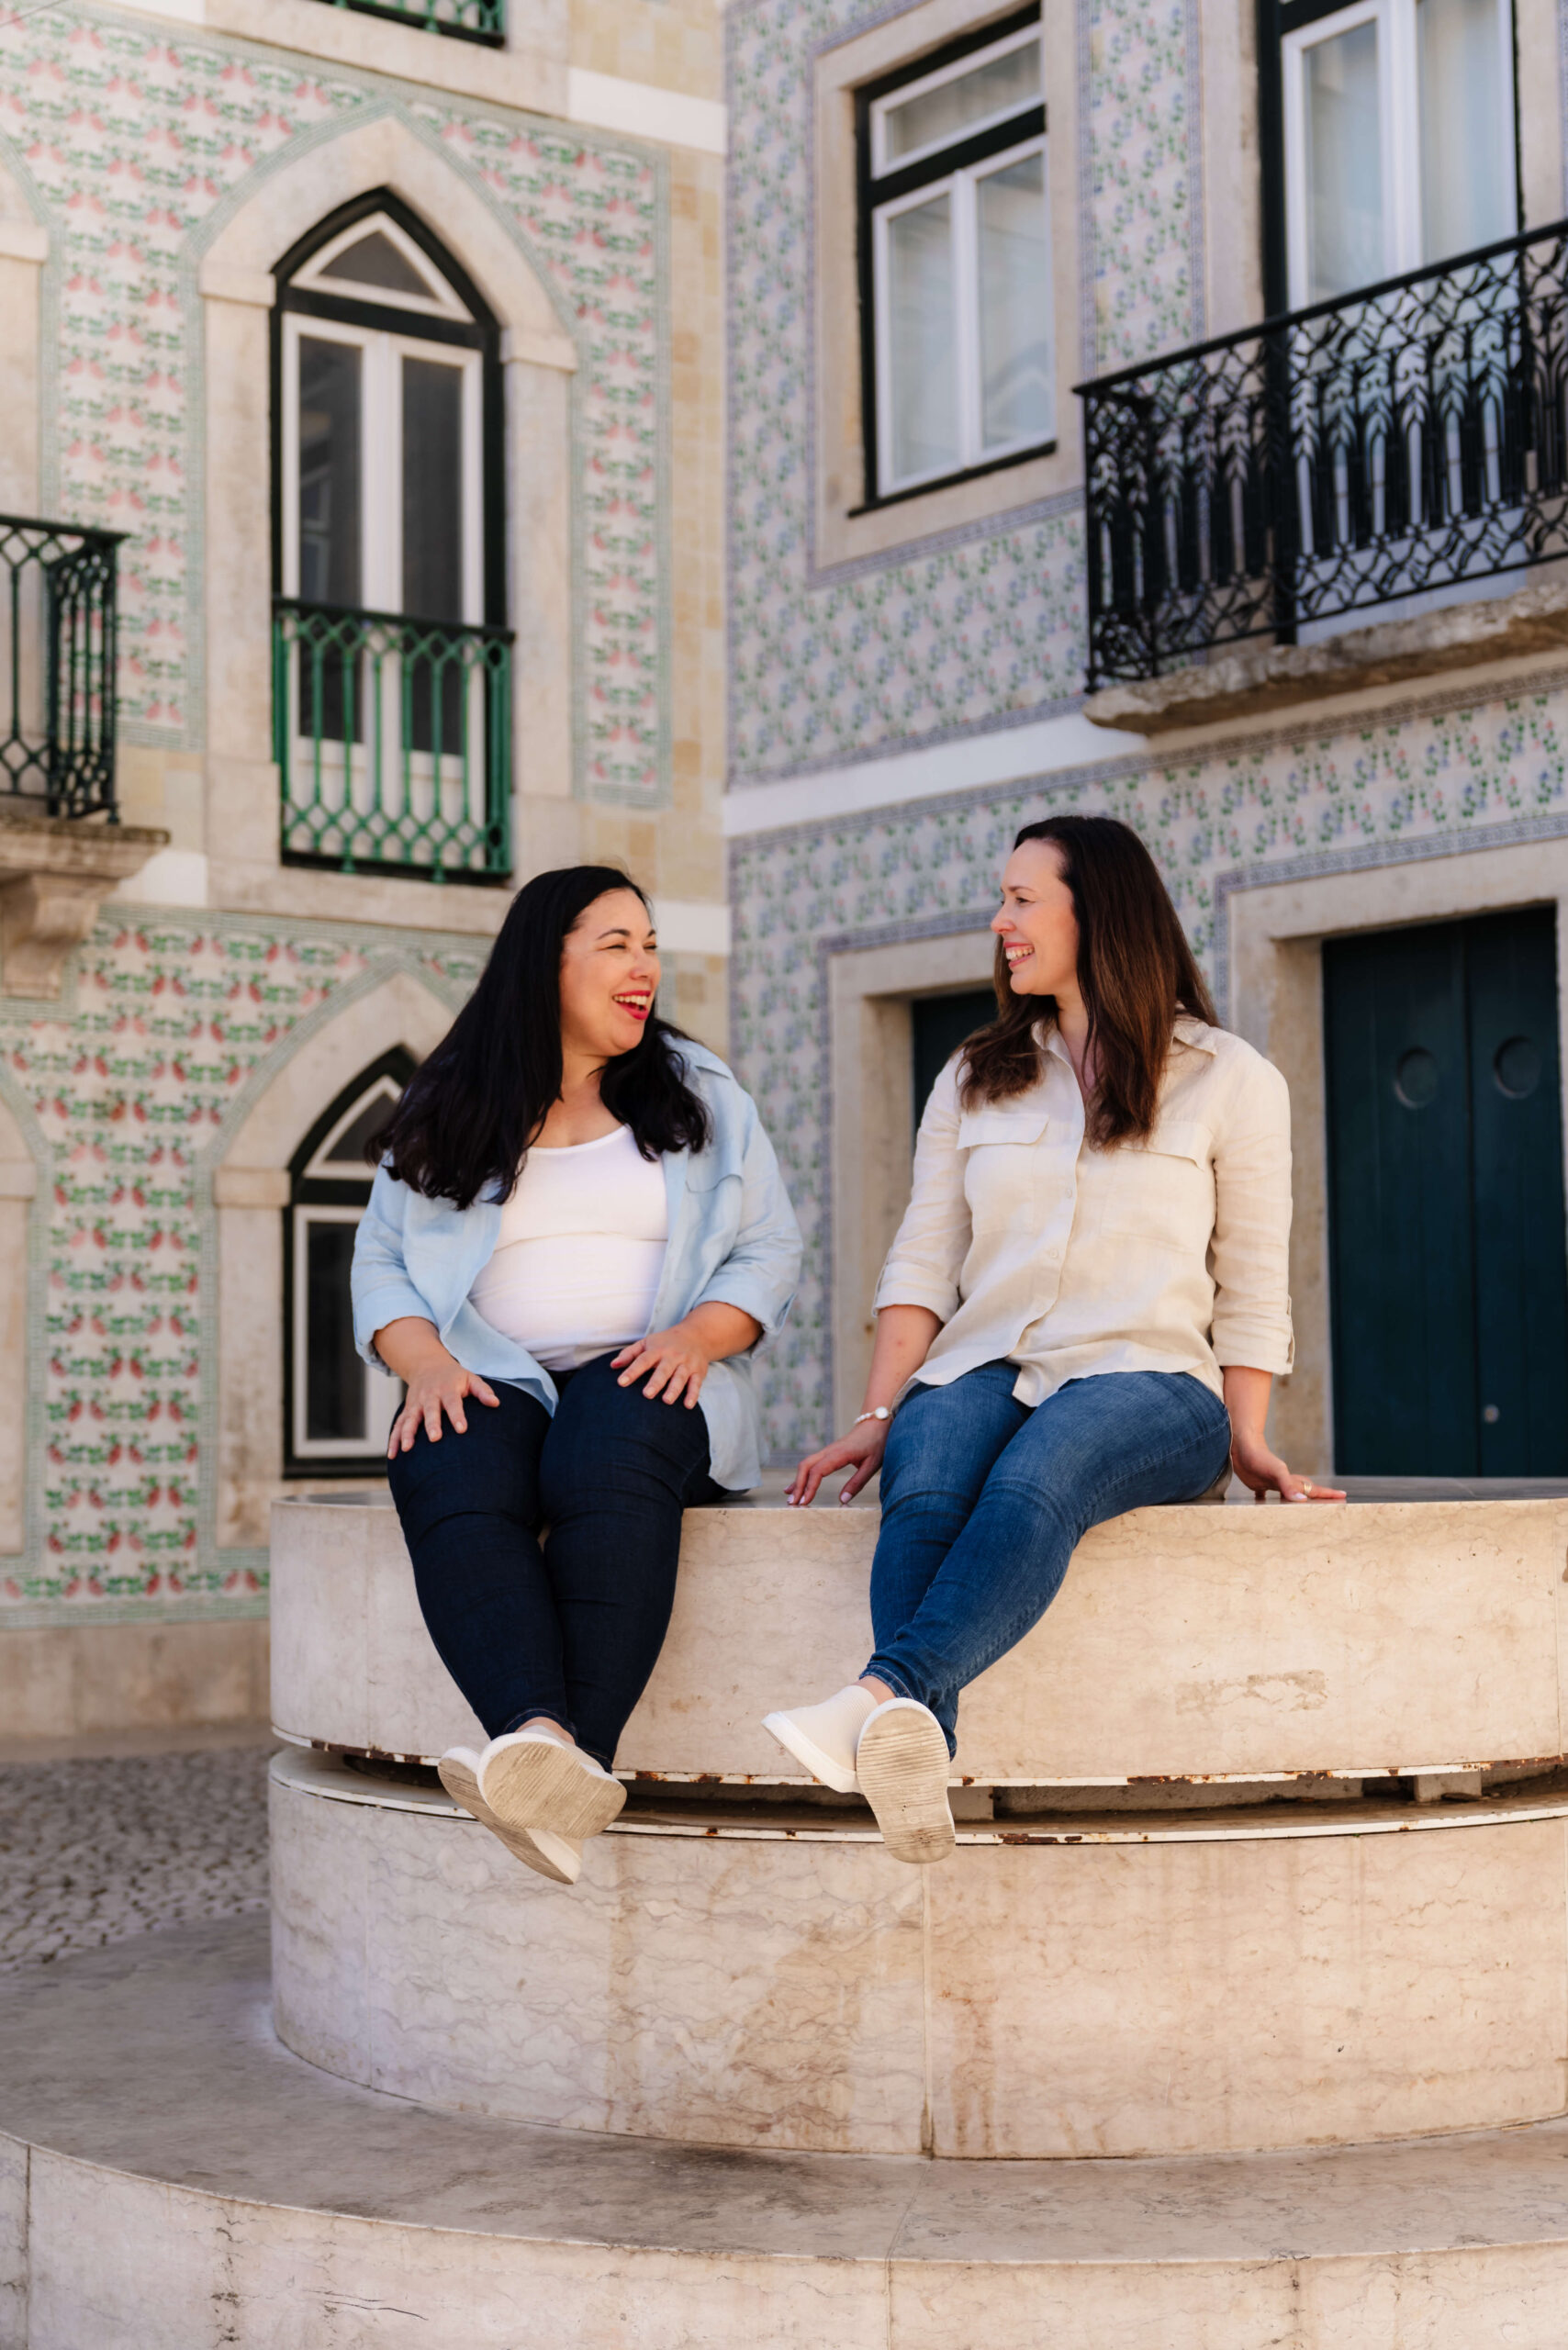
{"x":55,"y":872}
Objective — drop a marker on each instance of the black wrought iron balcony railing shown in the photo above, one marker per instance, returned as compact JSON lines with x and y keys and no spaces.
{"x":1396,"y":440}
{"x":57,"y":666}
{"x":393,"y":739}
{"x":483,"y":20}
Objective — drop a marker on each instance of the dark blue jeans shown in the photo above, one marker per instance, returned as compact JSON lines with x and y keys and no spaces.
{"x":570,"y":1626}
{"x":985,"y":1499}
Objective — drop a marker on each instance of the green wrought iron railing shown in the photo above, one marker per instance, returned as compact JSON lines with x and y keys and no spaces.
{"x":57,"y":666}
{"x":393,"y":739}
{"x":483,"y":20}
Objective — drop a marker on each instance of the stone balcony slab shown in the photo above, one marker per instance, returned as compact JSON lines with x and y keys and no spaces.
{"x":1257,"y":678}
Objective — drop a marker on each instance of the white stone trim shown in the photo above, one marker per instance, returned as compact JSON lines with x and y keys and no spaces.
{"x":606,"y":102}
{"x":1008,"y":754}
{"x":250,"y":1188}
{"x":236,"y":279}
{"x":692,"y":926}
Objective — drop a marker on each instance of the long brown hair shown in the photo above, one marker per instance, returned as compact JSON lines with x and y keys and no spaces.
{"x":1136,"y":971}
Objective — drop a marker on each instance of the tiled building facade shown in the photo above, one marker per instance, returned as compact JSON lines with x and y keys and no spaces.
{"x":908,"y":663}
{"x":172,"y":1039}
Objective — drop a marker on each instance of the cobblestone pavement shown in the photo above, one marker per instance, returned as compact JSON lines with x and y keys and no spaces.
{"x":93,"y":1851}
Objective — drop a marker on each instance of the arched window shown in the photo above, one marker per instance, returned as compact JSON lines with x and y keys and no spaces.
{"x":336,"y":1410}
{"x":392,"y":662}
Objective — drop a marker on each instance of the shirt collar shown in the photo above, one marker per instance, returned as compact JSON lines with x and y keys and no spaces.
{"x":1196,"y":1033}
{"x":1187,"y":1031}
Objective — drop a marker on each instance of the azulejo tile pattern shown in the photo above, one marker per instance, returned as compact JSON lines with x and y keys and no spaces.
{"x":950,"y":637}
{"x":130,"y":136}
{"x":1140,"y":105}
{"x":1439,"y":775}
{"x":127,"y":1092}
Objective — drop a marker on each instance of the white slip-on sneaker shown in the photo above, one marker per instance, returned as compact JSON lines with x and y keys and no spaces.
{"x":557,"y":1857}
{"x":822,"y":1737}
{"x":901,"y":1763}
{"x":531,"y":1779}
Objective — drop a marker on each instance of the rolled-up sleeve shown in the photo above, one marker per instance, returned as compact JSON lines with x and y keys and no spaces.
{"x":926,"y":1259}
{"x":1250,"y":1255}
{"x":762,"y":1270}
{"x":379,"y":1281}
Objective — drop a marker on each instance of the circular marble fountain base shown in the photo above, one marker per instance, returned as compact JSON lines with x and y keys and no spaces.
{"x":171,"y":2176}
{"x":1094,"y":1986}
{"x":1398,"y":1637}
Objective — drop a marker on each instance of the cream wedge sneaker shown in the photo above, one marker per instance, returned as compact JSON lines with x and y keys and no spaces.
{"x":901,"y":1764}
{"x":530,"y":1778}
{"x":557,"y":1857}
{"x":822,"y":1737}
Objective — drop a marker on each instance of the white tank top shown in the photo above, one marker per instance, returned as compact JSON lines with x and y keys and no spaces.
{"x":575,"y":1267}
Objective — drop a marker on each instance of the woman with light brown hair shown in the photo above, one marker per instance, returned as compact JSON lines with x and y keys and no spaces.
{"x":1082,"y":1313}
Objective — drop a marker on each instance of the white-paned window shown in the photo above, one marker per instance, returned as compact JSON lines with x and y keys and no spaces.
{"x":955,"y":265}
{"x":1399,"y":138}
{"x":382,"y":505}
{"x":339,"y":1409}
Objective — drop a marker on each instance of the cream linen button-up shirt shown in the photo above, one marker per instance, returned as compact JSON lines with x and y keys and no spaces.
{"x":1034,"y":1247}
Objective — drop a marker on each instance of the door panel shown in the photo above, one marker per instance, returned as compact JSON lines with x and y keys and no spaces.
{"x":1402,"y":1277}
{"x":1516,"y":1116}
{"x":939,"y":1025}
{"x":1446,"y":1210}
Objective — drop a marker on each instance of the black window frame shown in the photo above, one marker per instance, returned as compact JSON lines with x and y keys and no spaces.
{"x":320,"y":1191}
{"x":871,"y":193}
{"x":484,"y":335}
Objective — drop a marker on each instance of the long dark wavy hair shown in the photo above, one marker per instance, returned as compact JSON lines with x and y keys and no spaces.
{"x":1136,"y":971}
{"x":470,"y":1111}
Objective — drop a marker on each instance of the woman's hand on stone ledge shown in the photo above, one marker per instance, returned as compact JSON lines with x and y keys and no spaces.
{"x":860,"y":1452}
{"x":1261,"y":1470}
{"x":412,"y":1350}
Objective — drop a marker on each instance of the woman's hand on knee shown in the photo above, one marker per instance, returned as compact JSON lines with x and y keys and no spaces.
{"x":860,"y":1452}
{"x":674,"y":1362}
{"x":435,"y":1388}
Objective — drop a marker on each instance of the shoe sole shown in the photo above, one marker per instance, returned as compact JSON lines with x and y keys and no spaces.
{"x":462,"y":1785}
{"x":819,"y":1764}
{"x":901,"y":1763}
{"x":541,"y":1784}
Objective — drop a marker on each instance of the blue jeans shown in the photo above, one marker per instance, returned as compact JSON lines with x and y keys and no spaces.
{"x":572,"y":1626}
{"x":984,"y":1500}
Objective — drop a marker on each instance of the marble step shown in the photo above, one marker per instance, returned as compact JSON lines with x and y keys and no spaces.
{"x":171,"y":2178}
{"x":1418,"y":1638}
{"x":755,"y":1975}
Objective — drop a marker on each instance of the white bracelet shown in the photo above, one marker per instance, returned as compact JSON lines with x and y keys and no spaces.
{"x":880,"y":1412}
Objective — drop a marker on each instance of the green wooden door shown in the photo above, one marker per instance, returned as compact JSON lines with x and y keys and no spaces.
{"x":1450,"y":1295}
{"x":939,"y":1025}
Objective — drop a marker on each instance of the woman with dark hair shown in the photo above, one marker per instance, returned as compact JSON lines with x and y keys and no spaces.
{"x":1083,"y":1313}
{"x":577,"y":1225}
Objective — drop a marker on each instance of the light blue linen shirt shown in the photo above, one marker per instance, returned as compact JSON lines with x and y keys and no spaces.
{"x":733,"y":1241}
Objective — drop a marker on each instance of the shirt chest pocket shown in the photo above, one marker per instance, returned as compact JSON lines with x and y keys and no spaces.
{"x":1003,"y":1152}
{"x":1163,"y":1189}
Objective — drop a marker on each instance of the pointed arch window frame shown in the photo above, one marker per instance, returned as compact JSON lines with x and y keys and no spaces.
{"x":317,"y":1196}
{"x":301,"y":294}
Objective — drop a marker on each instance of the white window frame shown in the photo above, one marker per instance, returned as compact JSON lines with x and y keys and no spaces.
{"x":440,"y":302}
{"x":881,"y":165}
{"x":381,"y":446}
{"x":1399,"y":124}
{"x":372,"y":1445}
{"x":960,"y":186}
